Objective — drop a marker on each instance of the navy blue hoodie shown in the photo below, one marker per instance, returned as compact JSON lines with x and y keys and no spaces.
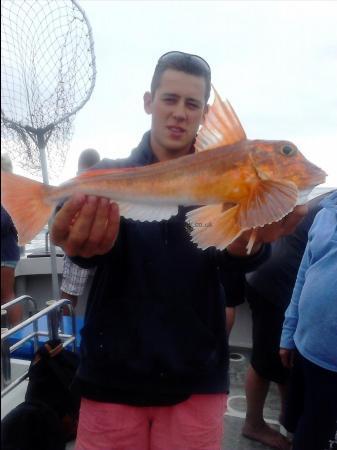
{"x":10,"y":250}
{"x":154,"y":328}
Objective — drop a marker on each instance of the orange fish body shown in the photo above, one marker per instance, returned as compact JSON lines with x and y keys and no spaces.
{"x":239,"y":183}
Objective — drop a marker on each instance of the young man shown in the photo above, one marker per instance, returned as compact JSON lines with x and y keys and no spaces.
{"x":268,"y":292}
{"x":154,"y":358}
{"x":74,"y":278}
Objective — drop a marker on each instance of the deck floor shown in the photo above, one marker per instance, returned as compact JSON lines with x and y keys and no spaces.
{"x":234,"y":418}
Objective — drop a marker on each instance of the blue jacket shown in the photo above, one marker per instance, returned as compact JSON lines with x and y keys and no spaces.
{"x":311,"y":319}
{"x":154,"y":328}
{"x":10,"y":250}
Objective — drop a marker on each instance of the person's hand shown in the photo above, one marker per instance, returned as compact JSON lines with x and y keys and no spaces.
{"x":86,"y":226}
{"x":268,"y":233}
{"x":287,"y":357}
{"x":285,"y":226}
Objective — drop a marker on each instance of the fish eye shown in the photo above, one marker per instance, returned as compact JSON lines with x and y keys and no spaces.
{"x":286,"y":150}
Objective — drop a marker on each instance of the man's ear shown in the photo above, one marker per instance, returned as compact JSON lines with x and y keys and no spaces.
{"x":147,"y":102}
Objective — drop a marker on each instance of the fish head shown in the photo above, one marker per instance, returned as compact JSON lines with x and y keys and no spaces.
{"x":283,"y":160}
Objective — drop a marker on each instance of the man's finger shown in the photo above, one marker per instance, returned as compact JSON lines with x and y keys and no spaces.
{"x":98,"y":227}
{"x":64,"y":218}
{"x":80,"y":231}
{"x":111,"y":231}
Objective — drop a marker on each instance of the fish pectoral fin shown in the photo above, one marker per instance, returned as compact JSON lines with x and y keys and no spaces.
{"x":221,"y":126}
{"x":219,"y":225}
{"x":146,"y":212}
{"x":214,"y":225}
{"x":269,"y":202}
{"x":251,"y":241}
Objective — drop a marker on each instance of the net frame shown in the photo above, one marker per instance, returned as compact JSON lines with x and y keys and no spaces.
{"x":21,"y":131}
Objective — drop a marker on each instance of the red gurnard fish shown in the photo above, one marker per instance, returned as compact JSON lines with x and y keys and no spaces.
{"x":239,"y":184}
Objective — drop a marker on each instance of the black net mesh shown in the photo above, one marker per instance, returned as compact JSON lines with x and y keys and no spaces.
{"x":47,"y":74}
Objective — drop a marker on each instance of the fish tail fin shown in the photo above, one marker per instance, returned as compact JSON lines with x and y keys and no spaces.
{"x":26,"y":202}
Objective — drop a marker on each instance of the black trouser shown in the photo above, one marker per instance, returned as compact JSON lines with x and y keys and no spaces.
{"x":311,"y":410}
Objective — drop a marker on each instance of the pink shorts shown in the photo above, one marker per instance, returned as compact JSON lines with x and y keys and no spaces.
{"x":195,"y":424}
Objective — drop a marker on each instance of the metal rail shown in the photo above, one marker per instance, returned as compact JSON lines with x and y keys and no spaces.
{"x":21,"y":299}
{"x":53,"y":317}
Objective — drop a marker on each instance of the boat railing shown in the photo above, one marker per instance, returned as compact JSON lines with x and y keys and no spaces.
{"x":22,"y":299}
{"x":55,"y":331}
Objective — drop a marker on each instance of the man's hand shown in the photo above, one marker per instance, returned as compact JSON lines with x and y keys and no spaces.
{"x":86,"y":226}
{"x":285,"y":226}
{"x":268,"y":233}
{"x":287,"y":357}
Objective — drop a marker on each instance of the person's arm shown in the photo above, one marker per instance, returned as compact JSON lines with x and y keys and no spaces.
{"x":72,"y":298}
{"x":74,"y":280}
{"x":229,"y":262}
{"x":7,"y":225}
{"x":287,"y":344}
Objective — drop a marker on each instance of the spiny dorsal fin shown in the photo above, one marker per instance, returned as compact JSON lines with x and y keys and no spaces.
{"x":221,"y":127}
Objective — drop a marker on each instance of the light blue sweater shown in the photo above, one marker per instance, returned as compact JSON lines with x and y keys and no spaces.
{"x":310,"y":322}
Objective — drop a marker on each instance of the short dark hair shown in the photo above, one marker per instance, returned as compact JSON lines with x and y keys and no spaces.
{"x":183,"y":62}
{"x":88,"y":158}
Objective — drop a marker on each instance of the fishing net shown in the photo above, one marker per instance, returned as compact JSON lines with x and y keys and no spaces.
{"x":47,"y":74}
{"x":23,"y":147}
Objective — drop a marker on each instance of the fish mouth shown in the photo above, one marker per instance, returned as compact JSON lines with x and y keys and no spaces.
{"x":319,"y":178}
{"x":315,"y":178}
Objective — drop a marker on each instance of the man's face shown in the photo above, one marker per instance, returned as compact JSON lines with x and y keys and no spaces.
{"x":177,"y":109}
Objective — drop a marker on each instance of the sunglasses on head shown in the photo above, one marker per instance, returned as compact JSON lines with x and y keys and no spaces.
{"x":173,"y":54}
